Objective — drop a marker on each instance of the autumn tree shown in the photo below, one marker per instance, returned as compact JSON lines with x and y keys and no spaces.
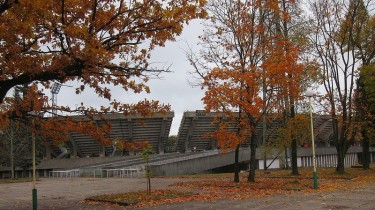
{"x":363,"y":39}
{"x":286,"y":55}
{"x":145,"y":154}
{"x":293,"y":128}
{"x":365,"y":116}
{"x":240,"y":53}
{"x":97,"y":43}
{"x":336,"y":26}
{"x":230,"y":67}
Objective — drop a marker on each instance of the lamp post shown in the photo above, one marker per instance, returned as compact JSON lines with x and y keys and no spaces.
{"x":34,"y":114}
{"x":34,"y":190}
{"x":55,"y":90}
{"x":310,"y":94}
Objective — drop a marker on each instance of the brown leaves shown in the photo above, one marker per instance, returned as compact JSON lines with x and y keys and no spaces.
{"x":214,"y":186}
{"x":93,"y":42}
{"x":142,"y":198}
{"x":277,"y":181}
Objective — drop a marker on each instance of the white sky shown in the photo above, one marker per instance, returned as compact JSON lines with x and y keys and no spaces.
{"x":172,"y":89}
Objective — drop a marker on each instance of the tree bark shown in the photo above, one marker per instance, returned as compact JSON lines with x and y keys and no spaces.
{"x":365,"y":151}
{"x":236,"y":164}
{"x":286,"y":158}
{"x":340,"y":168}
{"x":294,"y":158}
{"x":12,"y":149}
{"x":149,"y":186}
{"x":339,"y":143}
{"x":294,"y":141}
{"x":251,"y":176}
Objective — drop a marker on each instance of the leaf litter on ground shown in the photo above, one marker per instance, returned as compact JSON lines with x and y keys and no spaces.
{"x":213,"y":186}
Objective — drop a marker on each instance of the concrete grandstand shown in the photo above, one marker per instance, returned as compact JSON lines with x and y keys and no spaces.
{"x":84,"y":156}
{"x":154,"y":129}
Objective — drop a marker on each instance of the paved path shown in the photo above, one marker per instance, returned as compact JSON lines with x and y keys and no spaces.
{"x":65,"y":193}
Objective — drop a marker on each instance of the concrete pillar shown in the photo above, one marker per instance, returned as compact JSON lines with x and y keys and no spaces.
{"x":102,"y":151}
{"x":213,"y":144}
{"x":303,"y":160}
{"x":74,"y":149}
{"x":48,"y":151}
{"x":162,"y":140}
{"x":187,"y":146}
{"x":130,"y":129}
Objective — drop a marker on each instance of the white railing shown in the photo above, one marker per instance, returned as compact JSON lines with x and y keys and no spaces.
{"x":65,"y":174}
{"x":123,"y":172}
{"x":133,"y":171}
{"x":329,"y":160}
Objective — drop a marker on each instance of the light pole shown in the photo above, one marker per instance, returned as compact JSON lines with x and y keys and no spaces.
{"x":34,"y":190}
{"x":310,"y":94}
{"x":34,"y":114}
{"x":55,"y":90}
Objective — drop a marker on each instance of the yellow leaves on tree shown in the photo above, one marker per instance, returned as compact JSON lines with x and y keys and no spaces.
{"x":298,"y":127}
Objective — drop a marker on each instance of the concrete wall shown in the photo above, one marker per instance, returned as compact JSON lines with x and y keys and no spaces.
{"x":78,"y":162}
{"x":198,"y":165}
{"x":270,"y":164}
{"x":326,"y":157}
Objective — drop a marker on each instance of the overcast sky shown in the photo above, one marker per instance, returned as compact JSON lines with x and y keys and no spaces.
{"x":173,"y":88}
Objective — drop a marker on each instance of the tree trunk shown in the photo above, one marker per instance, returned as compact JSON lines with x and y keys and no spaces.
{"x":365,"y":151}
{"x":264,"y":139}
{"x":236,"y":164}
{"x":149,"y":186}
{"x":251,"y":177}
{"x":12,"y":149}
{"x":294,"y":158}
{"x":265,"y":166}
{"x":340,"y":168}
{"x":286,"y":158}
{"x":294,"y":141}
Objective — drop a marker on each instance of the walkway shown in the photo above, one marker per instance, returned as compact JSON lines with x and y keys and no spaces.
{"x":66,"y":193}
